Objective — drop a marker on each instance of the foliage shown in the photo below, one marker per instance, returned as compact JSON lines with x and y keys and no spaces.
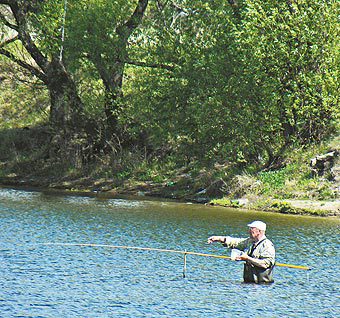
{"x":247,"y":89}
{"x":291,"y":54}
{"x":273,"y":180}
{"x":47,"y":22}
{"x":95,"y":34}
{"x":200,"y":82}
{"x":195,"y":121}
{"x":226,"y":203}
{"x":28,"y":106}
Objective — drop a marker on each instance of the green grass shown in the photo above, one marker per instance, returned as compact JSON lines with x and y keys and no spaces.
{"x":226,"y":202}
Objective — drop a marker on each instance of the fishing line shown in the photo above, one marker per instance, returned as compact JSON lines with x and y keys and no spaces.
{"x":63,"y":32}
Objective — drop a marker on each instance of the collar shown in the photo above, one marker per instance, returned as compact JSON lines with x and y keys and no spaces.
{"x":259,"y":241}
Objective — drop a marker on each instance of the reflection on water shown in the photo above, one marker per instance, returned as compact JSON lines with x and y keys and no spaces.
{"x":72,"y":281}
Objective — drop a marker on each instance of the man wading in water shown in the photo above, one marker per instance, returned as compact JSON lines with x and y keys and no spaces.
{"x":259,"y":256}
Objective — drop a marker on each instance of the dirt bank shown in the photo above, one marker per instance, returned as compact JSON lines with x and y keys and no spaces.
{"x":331,"y":206}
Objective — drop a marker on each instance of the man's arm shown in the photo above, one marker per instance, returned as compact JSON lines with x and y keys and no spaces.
{"x":231,"y":242}
{"x":255,"y":261}
{"x":215,"y":238}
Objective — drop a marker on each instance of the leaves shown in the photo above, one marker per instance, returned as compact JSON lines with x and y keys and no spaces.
{"x":205,"y":79}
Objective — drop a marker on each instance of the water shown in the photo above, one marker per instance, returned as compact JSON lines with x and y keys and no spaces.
{"x":72,"y":281}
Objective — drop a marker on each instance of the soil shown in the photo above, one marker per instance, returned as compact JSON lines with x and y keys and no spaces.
{"x":331,"y":206}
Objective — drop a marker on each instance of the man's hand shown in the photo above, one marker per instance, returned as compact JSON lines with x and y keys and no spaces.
{"x":213,"y":239}
{"x":243,"y":257}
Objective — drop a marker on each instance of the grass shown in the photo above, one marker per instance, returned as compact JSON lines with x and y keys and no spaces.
{"x":22,"y":154}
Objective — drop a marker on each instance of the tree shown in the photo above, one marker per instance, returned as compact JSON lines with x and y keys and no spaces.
{"x":191,"y":109}
{"x":251,"y":77}
{"x":27,"y":22}
{"x":291,"y":55}
{"x":103,"y":39}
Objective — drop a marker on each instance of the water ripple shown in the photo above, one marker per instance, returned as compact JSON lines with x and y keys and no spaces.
{"x":73,"y":281}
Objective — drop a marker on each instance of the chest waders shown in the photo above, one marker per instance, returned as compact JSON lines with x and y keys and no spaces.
{"x":255,"y":274}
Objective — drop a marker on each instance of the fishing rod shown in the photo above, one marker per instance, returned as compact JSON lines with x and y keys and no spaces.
{"x":185,"y":253}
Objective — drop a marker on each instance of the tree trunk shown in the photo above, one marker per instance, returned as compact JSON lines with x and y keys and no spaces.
{"x":112,"y":73}
{"x":113,"y":91}
{"x":66,"y":112}
{"x":66,"y":115}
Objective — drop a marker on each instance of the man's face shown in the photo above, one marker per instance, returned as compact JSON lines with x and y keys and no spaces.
{"x":254,"y":232}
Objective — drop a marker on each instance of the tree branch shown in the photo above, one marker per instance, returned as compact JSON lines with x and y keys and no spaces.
{"x":160,"y":5}
{"x":7,"y":23}
{"x":7,"y":2}
{"x":102,"y":70}
{"x":18,"y":11}
{"x":290,"y":7}
{"x":152,"y":65}
{"x":236,"y":9}
{"x":5,"y":43}
{"x":134,"y":21}
{"x":25,"y":65}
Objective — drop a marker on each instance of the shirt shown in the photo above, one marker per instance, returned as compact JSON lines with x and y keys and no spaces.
{"x":263,"y":250}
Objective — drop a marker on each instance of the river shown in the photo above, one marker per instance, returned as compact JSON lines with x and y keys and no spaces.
{"x":39,"y":280}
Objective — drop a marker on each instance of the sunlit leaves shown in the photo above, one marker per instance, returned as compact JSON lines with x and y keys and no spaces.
{"x":92,"y":26}
{"x":290,"y":47}
{"x":240,"y":85}
{"x":46,"y":25}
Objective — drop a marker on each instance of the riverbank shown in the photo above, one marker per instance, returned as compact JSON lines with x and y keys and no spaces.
{"x":292,"y":186}
{"x":108,"y":189}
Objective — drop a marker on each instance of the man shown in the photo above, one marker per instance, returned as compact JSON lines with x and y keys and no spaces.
{"x":259,"y":256}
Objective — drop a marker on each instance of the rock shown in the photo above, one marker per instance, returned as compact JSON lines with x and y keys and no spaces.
{"x":322,"y":165}
{"x":243,"y":202}
{"x":202,"y":192}
{"x":215,"y":189}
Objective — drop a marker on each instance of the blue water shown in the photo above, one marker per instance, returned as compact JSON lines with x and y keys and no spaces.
{"x":71,"y":281}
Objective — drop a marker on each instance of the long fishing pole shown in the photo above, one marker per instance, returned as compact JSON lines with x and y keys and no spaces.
{"x":168,"y":251}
